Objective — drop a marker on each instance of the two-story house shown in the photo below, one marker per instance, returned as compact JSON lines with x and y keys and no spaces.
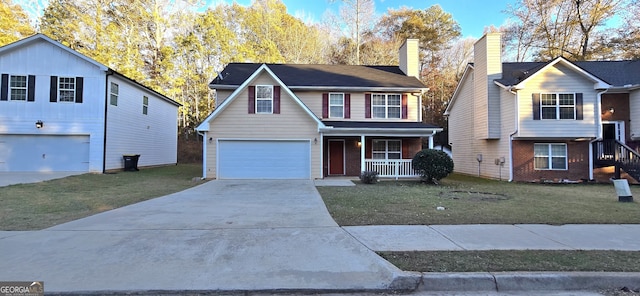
{"x":545,"y":121}
{"x":63,"y":111}
{"x":286,"y":121}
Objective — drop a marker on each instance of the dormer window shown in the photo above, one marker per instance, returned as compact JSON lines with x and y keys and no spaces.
{"x":264,"y":99}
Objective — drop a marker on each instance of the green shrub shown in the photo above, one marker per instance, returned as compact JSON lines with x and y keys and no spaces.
{"x":369,"y":177}
{"x":432,"y":165}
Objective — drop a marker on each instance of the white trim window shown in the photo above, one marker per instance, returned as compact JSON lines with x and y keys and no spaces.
{"x":386,"y":106}
{"x":145,"y":105}
{"x":66,"y":89}
{"x":264,"y":99}
{"x":550,"y":156}
{"x":114,"y":91}
{"x":557,"y":106}
{"x":386,"y":149}
{"x":336,"y":105}
{"x":18,"y":88}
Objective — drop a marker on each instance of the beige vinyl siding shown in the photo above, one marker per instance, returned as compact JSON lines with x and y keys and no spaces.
{"x":222,"y":95}
{"x":558,"y":79}
{"x":292,"y":123}
{"x":634,"y":112}
{"x":488,"y":67}
{"x":313,"y":100}
{"x":465,"y":147}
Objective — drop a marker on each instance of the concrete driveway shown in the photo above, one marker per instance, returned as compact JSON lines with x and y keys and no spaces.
{"x":222,"y":235}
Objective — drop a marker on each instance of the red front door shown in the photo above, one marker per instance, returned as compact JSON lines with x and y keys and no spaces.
{"x":336,"y":157}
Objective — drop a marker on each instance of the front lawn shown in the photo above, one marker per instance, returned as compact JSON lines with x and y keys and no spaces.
{"x":471,"y":200}
{"x":40,"y":205}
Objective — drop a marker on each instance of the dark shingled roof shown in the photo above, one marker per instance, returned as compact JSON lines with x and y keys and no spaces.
{"x":615,"y":73}
{"x":294,"y":75}
{"x":369,"y":124}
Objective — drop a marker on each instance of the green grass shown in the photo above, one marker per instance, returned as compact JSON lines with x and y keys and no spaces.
{"x":529,"y":260}
{"x":41,"y":205}
{"x":470,"y":200}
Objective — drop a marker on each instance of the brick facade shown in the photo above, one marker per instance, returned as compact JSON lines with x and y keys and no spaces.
{"x":578,"y":162}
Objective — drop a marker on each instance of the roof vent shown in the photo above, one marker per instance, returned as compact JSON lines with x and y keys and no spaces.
{"x":220,"y":76}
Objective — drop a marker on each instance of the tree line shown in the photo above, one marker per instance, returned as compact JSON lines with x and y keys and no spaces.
{"x":178,"y":46}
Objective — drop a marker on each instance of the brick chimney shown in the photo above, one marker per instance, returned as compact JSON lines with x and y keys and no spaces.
{"x":409,"y":58}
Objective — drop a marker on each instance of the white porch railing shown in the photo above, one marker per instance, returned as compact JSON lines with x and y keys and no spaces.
{"x":391,"y":168}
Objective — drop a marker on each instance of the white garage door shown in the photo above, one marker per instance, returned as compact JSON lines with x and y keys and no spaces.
{"x":40,"y":153}
{"x":264,"y":159}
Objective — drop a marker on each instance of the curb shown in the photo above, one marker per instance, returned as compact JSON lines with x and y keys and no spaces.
{"x":527,"y":281}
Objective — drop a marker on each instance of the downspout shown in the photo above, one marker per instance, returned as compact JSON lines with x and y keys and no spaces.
{"x":517,"y":118}
{"x":598,"y":120}
{"x":204,"y":154}
{"x":321,"y":155}
{"x":106,"y":107}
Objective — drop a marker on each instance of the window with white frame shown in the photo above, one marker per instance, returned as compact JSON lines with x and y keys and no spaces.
{"x":145,"y":105}
{"x":386,"y":105}
{"x":18,"y":87}
{"x":264,"y":99}
{"x":550,"y":156}
{"x":114,"y":91}
{"x":336,"y":105}
{"x":66,"y":89}
{"x":387,"y":149}
{"x":557,"y":106}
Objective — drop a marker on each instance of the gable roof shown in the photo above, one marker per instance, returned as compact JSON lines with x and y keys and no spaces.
{"x":324,"y":77}
{"x":41,"y":37}
{"x":204,"y":126}
{"x":613,"y":73}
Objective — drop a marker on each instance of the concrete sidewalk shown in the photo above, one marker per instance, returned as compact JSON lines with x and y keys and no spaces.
{"x":623,"y":237}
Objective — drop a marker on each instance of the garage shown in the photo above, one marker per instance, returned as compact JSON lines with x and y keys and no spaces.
{"x":264,"y":159}
{"x":44,"y":153}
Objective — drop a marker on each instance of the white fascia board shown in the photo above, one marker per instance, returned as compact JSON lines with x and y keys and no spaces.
{"x":396,"y":132}
{"x":597,"y":82}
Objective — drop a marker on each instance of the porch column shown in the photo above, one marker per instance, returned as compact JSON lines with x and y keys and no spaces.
{"x":431,"y":140}
{"x":362,"y":143}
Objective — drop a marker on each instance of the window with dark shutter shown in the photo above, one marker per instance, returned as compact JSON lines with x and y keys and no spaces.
{"x":79,"y":89}
{"x":4,"y":87}
{"x":53,"y":90}
{"x":325,"y":105}
{"x":252,"y":99}
{"x":347,"y":105}
{"x":405,"y":112}
{"x":31,"y":88}
{"x":367,"y":105}
{"x":536,"y":106}
{"x":579,"y":115}
{"x":276,"y":99}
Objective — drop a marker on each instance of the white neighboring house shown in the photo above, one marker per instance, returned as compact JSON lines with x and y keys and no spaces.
{"x":63,"y":111}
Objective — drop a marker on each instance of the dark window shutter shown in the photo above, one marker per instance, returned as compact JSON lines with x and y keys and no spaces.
{"x":4,"y":88}
{"x":347,"y":105}
{"x":79,"y":89}
{"x":276,"y":99}
{"x":579,"y":115}
{"x":405,"y":113}
{"x":367,"y":105}
{"x":31,"y":88}
{"x":536,"y":106}
{"x":53,"y":91}
{"x":325,"y":105}
{"x":252,"y":99}
{"x":406,"y":152}
{"x":368,"y":152}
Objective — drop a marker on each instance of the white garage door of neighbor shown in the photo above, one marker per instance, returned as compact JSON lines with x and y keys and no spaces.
{"x":264,"y":159}
{"x":44,"y":153}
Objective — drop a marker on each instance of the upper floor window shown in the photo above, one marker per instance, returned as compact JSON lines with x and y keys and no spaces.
{"x":18,"y":87}
{"x":386,"y":105}
{"x":145,"y":105}
{"x":387,"y":149}
{"x":66,"y":89}
{"x":557,"y":106}
{"x":550,"y":156}
{"x":114,"y":92}
{"x":264,"y":99}
{"x":336,"y":105}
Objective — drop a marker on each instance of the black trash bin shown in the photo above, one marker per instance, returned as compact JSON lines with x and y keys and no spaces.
{"x":131,"y":162}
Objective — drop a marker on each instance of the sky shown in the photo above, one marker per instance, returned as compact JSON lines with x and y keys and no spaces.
{"x":472,"y":15}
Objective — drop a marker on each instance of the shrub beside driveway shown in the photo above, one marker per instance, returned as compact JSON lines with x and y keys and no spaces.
{"x":41,"y":205}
